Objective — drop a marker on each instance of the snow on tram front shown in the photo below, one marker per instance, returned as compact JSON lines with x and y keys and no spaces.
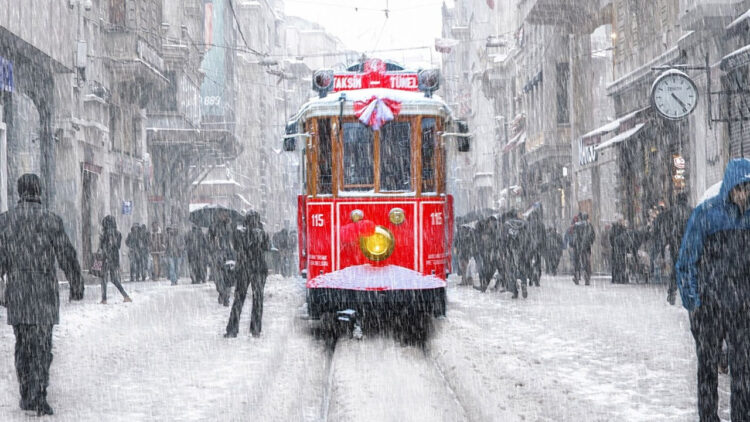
{"x":375,"y":222}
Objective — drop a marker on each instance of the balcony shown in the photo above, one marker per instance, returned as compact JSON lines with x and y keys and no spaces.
{"x":708,"y":14}
{"x":586,"y":15}
{"x":133,"y":60}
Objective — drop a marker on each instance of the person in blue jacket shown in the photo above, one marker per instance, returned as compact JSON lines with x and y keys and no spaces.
{"x":713,"y":275}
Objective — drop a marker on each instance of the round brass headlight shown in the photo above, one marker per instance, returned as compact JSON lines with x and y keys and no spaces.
{"x":357,"y":215}
{"x":379,"y":245}
{"x":397,"y":216}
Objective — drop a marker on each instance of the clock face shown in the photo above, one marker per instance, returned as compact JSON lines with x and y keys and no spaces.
{"x":674,"y":95}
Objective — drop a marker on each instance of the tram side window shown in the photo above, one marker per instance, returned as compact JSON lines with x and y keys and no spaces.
{"x":395,"y":157}
{"x":358,"y":157}
{"x":325,"y":169}
{"x":428,"y":155}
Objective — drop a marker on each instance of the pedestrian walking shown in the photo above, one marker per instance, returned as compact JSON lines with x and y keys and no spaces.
{"x":515,"y":243}
{"x":32,"y":239}
{"x":582,"y":242}
{"x":465,"y":248}
{"x":713,"y":276}
{"x":142,"y":251}
{"x":195,"y":244}
{"x":156,"y":247}
{"x":619,"y":245}
{"x":109,"y":247}
{"x":250,"y":243}
{"x":537,"y":242}
{"x":132,"y":241}
{"x":671,"y":226}
{"x":173,"y":252}
{"x":220,"y":238}
{"x":553,"y":250}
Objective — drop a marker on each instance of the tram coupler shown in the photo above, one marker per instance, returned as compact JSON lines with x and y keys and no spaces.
{"x":351,"y":317}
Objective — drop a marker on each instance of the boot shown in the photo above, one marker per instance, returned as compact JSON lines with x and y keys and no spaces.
{"x":43,"y":408}
{"x":103,"y":302}
{"x":671,"y":298}
{"x":127,"y":299}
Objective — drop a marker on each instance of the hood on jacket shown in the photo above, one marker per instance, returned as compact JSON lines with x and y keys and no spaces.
{"x":29,"y":187}
{"x":737,"y":172}
{"x":109,"y":223}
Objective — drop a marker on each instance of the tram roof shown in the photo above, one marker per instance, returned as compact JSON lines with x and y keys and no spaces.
{"x":412,"y":103}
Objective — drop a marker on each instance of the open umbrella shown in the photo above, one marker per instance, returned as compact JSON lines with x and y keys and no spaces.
{"x":206,"y":215}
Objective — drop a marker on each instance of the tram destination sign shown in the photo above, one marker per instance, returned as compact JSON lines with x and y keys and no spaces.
{"x":404,"y":81}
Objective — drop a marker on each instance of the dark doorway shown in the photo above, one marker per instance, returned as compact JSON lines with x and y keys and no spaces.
{"x":89,"y":179}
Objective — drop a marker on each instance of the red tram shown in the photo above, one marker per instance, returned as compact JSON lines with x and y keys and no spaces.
{"x":375,"y":222}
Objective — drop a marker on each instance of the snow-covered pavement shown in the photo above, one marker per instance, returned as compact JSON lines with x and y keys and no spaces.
{"x":567,"y":353}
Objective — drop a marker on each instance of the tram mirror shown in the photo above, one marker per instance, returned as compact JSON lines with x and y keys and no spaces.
{"x":464,"y":142}
{"x":290,"y":140}
{"x":290,"y":143}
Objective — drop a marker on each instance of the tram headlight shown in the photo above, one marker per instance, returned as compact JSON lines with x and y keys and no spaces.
{"x":397,"y":216}
{"x":379,"y":245}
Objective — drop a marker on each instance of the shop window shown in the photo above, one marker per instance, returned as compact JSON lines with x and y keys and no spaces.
{"x":395,"y":157}
{"x":563,"y":106}
{"x":325,"y":172}
{"x":358,"y":157}
{"x":428,"y":155}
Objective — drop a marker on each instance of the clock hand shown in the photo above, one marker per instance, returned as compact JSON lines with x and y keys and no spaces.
{"x":684,"y":107}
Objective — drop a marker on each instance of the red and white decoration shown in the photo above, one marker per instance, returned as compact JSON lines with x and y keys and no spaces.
{"x":376,"y":111}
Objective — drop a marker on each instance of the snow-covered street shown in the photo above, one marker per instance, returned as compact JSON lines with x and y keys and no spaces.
{"x":567,"y":353}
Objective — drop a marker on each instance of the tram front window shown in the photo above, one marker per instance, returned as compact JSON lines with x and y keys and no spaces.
{"x":395,"y":157}
{"x":358,"y":158}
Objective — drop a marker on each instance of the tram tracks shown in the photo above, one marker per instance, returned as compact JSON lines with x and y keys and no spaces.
{"x":378,"y":376}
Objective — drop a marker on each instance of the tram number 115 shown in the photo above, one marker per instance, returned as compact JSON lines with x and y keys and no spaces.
{"x":318,"y":220}
{"x":436,"y":218}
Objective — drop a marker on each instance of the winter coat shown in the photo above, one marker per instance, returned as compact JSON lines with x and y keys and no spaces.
{"x":195,"y":244}
{"x":175,"y":244}
{"x":464,"y":242}
{"x":143,"y":240}
{"x":131,"y":241}
{"x":554,"y":243}
{"x":584,"y":236}
{"x":671,"y":225}
{"x":109,"y":243}
{"x":714,"y":263}
{"x":280,"y":240}
{"x":537,"y":232}
{"x":250,"y":244}
{"x":31,"y":240}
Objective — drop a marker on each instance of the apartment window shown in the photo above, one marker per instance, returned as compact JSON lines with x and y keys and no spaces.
{"x":117,"y":13}
{"x":563,"y":105}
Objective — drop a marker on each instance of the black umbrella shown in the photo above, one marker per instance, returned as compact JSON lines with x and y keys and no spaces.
{"x":205,"y":216}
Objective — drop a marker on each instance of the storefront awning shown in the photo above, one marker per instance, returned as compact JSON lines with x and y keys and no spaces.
{"x":613,"y":125}
{"x":621,"y":137}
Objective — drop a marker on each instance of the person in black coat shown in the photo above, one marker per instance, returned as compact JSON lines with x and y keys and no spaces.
{"x":220,"y":239}
{"x":250,"y":243}
{"x":486,"y":250}
{"x":537,"y":241}
{"x":583,"y":240}
{"x":464,"y":244}
{"x":132,"y":242}
{"x":619,"y":244}
{"x":31,"y":240}
{"x":671,"y":226}
{"x":142,"y":250}
{"x":109,"y":247}
{"x":553,"y":250}
{"x":195,"y":244}
{"x":516,"y":252}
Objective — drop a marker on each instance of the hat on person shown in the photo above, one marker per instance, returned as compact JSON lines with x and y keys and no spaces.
{"x":29,"y":186}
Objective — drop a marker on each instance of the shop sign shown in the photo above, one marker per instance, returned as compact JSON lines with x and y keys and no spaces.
{"x":587,"y":151}
{"x":6,"y":75}
{"x":678,"y":171}
{"x":127,"y":207}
